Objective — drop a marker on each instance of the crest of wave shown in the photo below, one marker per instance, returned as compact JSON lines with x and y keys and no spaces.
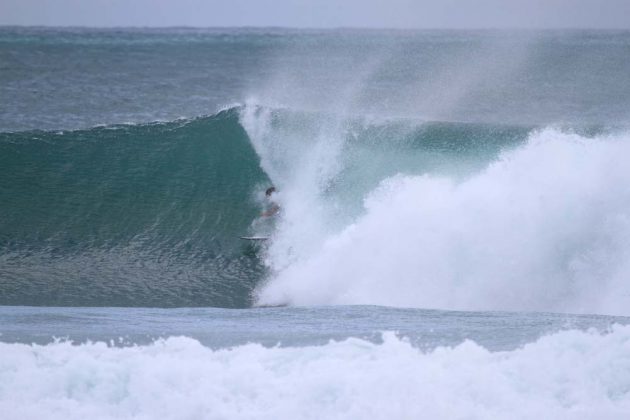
{"x":545,"y":227}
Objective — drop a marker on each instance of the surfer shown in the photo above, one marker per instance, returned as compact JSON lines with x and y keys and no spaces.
{"x":274,"y":208}
{"x":264,"y":227}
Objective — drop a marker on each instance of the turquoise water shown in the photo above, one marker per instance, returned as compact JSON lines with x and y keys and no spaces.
{"x":145,"y":215}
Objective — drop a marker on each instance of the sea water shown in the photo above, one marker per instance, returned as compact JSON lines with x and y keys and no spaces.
{"x":452,"y":240}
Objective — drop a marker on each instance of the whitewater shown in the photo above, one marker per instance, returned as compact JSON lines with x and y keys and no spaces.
{"x":571,"y":375}
{"x":544,"y":227}
{"x":452,"y":241}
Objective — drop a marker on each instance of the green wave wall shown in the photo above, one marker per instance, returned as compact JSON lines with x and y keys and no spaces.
{"x":129,"y":215}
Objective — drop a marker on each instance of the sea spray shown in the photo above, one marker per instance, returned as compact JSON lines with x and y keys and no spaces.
{"x":302,"y":156}
{"x":545,"y":227}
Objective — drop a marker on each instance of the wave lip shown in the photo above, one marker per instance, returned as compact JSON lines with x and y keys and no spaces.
{"x":571,"y":374}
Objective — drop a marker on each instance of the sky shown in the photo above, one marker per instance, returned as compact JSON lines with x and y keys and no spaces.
{"x":473,"y":14}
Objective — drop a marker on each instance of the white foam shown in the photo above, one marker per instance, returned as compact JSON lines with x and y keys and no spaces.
{"x":546,"y":227}
{"x":300,"y":168}
{"x":569,"y":375}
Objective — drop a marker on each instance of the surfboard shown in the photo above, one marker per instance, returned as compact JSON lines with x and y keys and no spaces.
{"x":254,"y":238}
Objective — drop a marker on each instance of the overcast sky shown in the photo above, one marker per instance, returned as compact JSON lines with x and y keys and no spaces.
{"x":321,"y":13}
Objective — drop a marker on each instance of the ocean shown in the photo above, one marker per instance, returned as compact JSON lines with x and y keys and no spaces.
{"x":453,"y":239}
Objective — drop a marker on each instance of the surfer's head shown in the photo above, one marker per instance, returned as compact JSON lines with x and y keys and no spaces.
{"x":270,"y":191}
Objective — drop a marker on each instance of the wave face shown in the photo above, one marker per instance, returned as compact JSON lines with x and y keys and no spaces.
{"x":569,"y":375}
{"x":475,"y":170}
{"x":144,"y":215}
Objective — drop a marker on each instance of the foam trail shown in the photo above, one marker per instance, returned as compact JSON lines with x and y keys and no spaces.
{"x":546,"y":228}
{"x":569,"y":375}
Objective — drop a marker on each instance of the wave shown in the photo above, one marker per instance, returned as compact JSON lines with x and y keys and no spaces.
{"x":539,"y":224}
{"x":151,"y":214}
{"x":571,"y":374}
{"x":374,"y":210}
